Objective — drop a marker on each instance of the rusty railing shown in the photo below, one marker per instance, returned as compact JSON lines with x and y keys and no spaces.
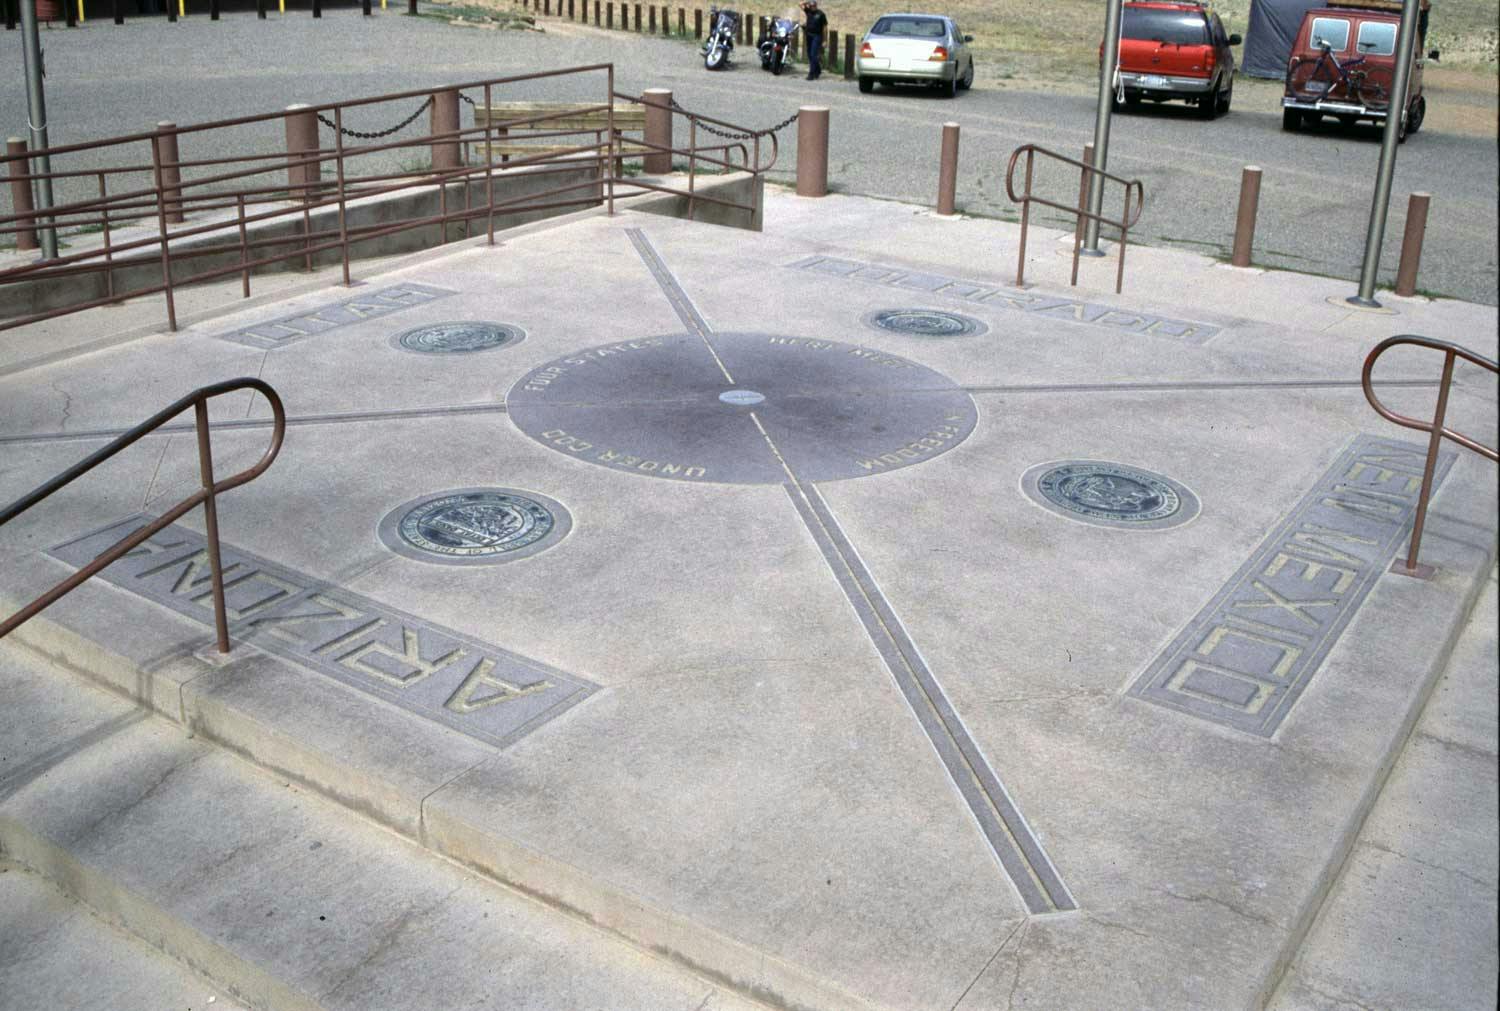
{"x":1451,"y":352}
{"x":1080,"y":213}
{"x":145,"y":180}
{"x":198,"y":400}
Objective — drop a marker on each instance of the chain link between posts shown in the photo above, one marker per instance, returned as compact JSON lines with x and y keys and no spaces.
{"x":376,"y":134}
{"x":729,"y":135}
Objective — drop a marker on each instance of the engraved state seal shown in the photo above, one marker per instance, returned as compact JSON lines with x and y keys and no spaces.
{"x":1110,"y":494}
{"x":925,"y":323}
{"x":458,"y":337}
{"x":474,"y":526}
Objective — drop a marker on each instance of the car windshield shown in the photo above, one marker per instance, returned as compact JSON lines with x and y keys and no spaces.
{"x":1330,"y":32}
{"x":1377,"y":38}
{"x":1175,"y":28}
{"x":911,"y":28}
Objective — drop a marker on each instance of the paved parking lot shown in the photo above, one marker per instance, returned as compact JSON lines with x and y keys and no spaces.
{"x":104,"y":80}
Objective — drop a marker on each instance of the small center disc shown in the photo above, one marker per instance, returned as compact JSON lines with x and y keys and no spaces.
{"x":742,"y":398}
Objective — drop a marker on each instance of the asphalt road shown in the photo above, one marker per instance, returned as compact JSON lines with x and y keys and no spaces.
{"x":105,"y":80}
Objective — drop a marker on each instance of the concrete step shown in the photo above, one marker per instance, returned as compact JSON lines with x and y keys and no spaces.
{"x":280,"y":898}
{"x":1427,"y":849}
{"x":55,"y":952}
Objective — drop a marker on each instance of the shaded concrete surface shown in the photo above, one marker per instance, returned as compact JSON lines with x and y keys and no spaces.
{"x":1411,"y":921}
{"x":857,"y":743}
{"x":56,"y":953}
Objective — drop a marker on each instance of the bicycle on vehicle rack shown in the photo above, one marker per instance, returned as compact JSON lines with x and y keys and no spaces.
{"x":1328,"y":79}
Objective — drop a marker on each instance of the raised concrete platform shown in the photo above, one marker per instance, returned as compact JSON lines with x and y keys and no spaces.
{"x":835,"y":619}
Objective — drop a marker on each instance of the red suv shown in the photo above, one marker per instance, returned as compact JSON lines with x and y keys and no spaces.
{"x":1175,"y":52}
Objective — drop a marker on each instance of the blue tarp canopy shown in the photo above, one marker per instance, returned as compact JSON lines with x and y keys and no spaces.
{"x":1268,"y":40}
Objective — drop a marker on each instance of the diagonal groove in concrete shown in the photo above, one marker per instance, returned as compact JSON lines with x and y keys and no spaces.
{"x":1010,"y":838}
{"x":681,"y":304}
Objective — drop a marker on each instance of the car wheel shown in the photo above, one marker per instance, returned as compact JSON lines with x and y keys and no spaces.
{"x":1208,"y":105}
{"x":968,"y":81}
{"x":866,"y":85}
{"x":1418,"y":113}
{"x":1224,"y":101}
{"x":1291,"y":120}
{"x":949,"y":89}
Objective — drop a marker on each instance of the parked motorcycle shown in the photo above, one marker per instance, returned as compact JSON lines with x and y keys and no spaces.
{"x":723,"y":24}
{"x":773,"y":47}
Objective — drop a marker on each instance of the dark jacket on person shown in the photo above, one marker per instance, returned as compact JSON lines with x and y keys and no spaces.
{"x":817,"y":23}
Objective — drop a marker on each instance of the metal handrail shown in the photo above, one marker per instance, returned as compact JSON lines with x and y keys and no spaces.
{"x":1451,"y":352}
{"x":1086,"y":171}
{"x":198,"y":400}
{"x":206,"y":214}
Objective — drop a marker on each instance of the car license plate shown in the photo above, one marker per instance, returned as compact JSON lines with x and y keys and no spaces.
{"x":1155,"y":81}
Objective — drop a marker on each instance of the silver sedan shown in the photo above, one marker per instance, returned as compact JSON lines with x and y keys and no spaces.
{"x":916,"y":49}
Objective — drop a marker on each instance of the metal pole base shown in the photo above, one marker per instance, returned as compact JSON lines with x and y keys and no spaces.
{"x":1086,"y":251}
{"x":1363,"y":303}
{"x":1422,"y":570}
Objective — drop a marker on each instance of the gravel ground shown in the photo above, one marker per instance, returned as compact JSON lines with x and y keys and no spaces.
{"x":105,"y":80}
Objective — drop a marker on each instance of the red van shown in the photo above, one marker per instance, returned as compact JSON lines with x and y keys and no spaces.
{"x":1175,"y":51}
{"x":1343,"y":64}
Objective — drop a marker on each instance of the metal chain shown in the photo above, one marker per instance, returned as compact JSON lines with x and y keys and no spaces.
{"x":377,"y":134}
{"x":728,"y":135}
{"x":466,"y":98}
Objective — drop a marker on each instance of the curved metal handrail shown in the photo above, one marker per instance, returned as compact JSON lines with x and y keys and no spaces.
{"x":198,"y":400}
{"x":1086,"y":171}
{"x":1451,"y":352}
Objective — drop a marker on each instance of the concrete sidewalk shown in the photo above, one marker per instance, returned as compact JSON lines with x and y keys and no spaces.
{"x":813,"y":609}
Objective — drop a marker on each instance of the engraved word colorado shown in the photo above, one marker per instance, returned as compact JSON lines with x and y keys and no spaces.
{"x":471,"y":686}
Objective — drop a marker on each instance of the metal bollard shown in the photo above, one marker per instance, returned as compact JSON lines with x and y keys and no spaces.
{"x":849,"y":57}
{"x":301,"y":141}
{"x":812,"y":151}
{"x":171,"y":174}
{"x":1411,"y":244}
{"x":20,"y":192}
{"x":948,"y":169}
{"x":658,"y":103}
{"x":1244,"y":219}
{"x":446,"y":154}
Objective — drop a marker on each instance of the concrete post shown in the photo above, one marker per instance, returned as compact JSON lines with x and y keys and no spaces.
{"x":1244,"y":220}
{"x":1411,"y":244}
{"x":20,"y":192}
{"x":171,"y":175}
{"x":812,"y":151}
{"x":849,"y":57}
{"x":301,"y":140}
{"x":446,"y":154}
{"x":948,"y":169}
{"x":658,"y":103}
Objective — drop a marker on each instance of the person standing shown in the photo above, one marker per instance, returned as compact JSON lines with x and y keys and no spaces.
{"x":817,"y":24}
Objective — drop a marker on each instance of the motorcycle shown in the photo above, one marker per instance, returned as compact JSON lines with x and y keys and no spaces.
{"x":716,"y":50}
{"x":775,"y":44}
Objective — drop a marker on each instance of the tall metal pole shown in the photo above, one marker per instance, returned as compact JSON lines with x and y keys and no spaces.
{"x":31,"y":49}
{"x":1396,"y":112}
{"x":1107,"y":68}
